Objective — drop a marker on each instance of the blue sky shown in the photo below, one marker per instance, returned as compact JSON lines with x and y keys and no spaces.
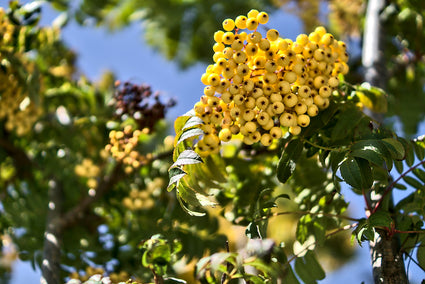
{"x":125,"y":53}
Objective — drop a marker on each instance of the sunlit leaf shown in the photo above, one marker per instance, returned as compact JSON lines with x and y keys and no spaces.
{"x":287,"y":162}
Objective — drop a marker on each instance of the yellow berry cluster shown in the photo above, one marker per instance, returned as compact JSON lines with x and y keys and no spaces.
{"x":143,"y":199}
{"x":114,"y":277}
{"x":123,"y":145}
{"x":17,"y":110}
{"x":260,"y":86}
{"x":89,"y":271}
{"x":88,"y":170}
{"x":6,"y":29}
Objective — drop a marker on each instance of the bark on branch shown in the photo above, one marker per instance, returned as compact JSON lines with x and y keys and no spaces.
{"x":387,"y":261}
{"x":50,"y":266}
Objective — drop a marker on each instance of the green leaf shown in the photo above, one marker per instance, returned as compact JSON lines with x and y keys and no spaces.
{"x":413,"y":182}
{"x":289,"y":277}
{"x":316,"y":269}
{"x":419,"y":146}
{"x":287,"y":162}
{"x":346,"y":123}
{"x":175,"y":175}
{"x":186,"y":208}
{"x":189,"y":134}
{"x":399,"y":166}
{"x":179,"y":123}
{"x":420,"y":254}
{"x":187,"y":157}
{"x":395,"y":147}
{"x":192,"y":122}
{"x":303,"y":271}
{"x":371,"y":150}
{"x":400,"y":186}
{"x":381,"y":219}
{"x":420,"y":174}
{"x":372,"y":97}
{"x":351,"y":174}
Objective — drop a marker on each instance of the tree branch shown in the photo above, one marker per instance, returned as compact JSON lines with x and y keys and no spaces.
{"x":387,"y":262}
{"x":79,"y":211}
{"x":50,"y":266}
{"x":23,"y":164}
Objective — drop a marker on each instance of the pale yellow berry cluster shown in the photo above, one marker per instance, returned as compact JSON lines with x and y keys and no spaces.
{"x":17,"y":110}
{"x":114,"y":277}
{"x":263,"y":85}
{"x":88,"y":170}
{"x":123,"y":145}
{"x":144,"y":199}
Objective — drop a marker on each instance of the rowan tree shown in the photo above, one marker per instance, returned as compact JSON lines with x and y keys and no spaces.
{"x":94,"y":186}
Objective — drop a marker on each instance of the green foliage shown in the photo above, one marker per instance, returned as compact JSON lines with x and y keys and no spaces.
{"x":108,"y":206}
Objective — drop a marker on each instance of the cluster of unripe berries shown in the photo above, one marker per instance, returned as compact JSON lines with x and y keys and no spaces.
{"x":89,"y":170}
{"x":123,"y":147}
{"x":139,"y":103}
{"x":261,"y":86}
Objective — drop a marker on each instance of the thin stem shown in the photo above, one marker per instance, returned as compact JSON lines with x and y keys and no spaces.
{"x":307,"y":213}
{"x":323,"y":147}
{"x":368,"y":206}
{"x":417,"y":263}
{"x":336,"y":231}
{"x":391,"y":186}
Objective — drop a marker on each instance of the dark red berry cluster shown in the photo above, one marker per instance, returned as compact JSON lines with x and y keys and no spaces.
{"x":140,"y":103}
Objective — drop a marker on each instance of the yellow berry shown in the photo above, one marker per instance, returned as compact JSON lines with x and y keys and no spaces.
{"x":228,"y":25}
{"x":240,"y":22}
{"x":300,"y":108}
{"x":254,"y":37}
{"x":250,"y":126}
{"x":272,"y":35}
{"x":211,"y":140}
{"x":218,"y":47}
{"x":302,"y":39}
{"x":276,"y":132}
{"x":225,"y":135}
{"x":239,"y":56}
{"x":303,"y":120}
{"x":327,"y":39}
{"x":218,"y":36}
{"x":251,"y":49}
{"x":237,"y":44}
{"x":290,"y":100}
{"x":252,"y":24}
{"x":304,"y":91}
{"x":263,"y":118}
{"x":214,"y":79}
{"x":313,"y":110}
{"x":263,"y":18}
{"x":253,"y":13}
{"x":295,"y":130}
{"x":320,"y":30}
{"x":290,"y":77}
{"x":264,"y":44}
{"x":209,"y":91}
{"x":284,"y":87}
{"x":278,"y":107}
{"x":333,"y":82}
{"x":324,"y":91}
{"x":228,"y":38}
{"x":287,"y":119}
